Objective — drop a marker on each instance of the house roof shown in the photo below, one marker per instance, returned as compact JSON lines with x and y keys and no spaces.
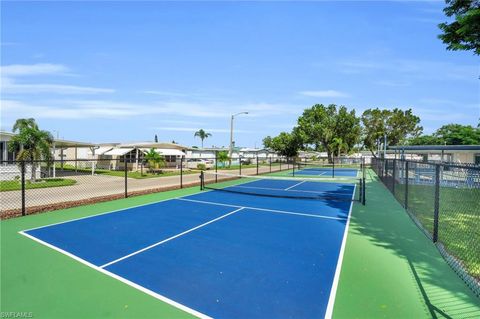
{"x":118,"y":151}
{"x":426,"y":148}
{"x":166,"y":151}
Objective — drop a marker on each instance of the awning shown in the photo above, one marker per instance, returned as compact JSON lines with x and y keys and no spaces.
{"x":101,"y":150}
{"x":118,"y":151}
{"x":169,"y":151}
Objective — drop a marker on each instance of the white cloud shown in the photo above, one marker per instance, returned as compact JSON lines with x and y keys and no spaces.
{"x":10,"y":85}
{"x":413,"y":69}
{"x":32,"y":69}
{"x":189,"y":129}
{"x":110,"y":109}
{"x":165,"y":93}
{"x":324,"y":93}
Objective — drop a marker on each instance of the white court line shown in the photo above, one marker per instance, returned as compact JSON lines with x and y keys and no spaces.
{"x":263,"y":209}
{"x":336,"y":278}
{"x":105,"y":213}
{"x":286,"y":189}
{"x":170,"y":238}
{"x":279,"y":189}
{"x":126,"y":281}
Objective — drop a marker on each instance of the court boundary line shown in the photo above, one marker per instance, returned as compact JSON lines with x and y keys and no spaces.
{"x":105,"y":213}
{"x":139,"y":251}
{"x":276,"y":189}
{"x":263,"y":209}
{"x":338,"y":269}
{"x":120,"y":278}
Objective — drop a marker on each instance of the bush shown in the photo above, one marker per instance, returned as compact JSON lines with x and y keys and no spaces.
{"x":201,"y":166}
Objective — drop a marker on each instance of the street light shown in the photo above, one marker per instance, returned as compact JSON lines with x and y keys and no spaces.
{"x":230,"y":151}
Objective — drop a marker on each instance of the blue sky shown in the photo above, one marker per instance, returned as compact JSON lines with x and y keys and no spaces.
{"x":124,"y":71}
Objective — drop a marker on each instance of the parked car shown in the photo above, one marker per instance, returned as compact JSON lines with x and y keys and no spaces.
{"x":192,"y":163}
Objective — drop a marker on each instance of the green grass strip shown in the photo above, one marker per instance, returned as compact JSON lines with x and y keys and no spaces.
{"x":15,"y":185}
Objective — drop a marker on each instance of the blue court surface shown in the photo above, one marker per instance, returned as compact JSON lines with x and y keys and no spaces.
{"x":221,"y":254}
{"x":327,"y":171}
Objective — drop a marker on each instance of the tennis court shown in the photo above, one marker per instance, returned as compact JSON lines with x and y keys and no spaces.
{"x":247,"y":248}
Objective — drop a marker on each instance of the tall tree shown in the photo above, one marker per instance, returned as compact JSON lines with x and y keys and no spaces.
{"x":285,"y":144}
{"x":323,"y":126}
{"x":457,"y":134}
{"x":397,"y":125}
{"x":464,"y":32}
{"x":31,"y":143}
{"x":202,"y":135}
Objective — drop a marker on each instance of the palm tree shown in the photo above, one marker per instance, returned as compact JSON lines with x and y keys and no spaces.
{"x":31,"y":143}
{"x":339,"y":144}
{"x":202,"y":135}
{"x":154,"y":159}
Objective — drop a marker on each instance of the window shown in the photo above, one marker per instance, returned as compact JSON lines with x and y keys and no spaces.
{"x":477,"y":159}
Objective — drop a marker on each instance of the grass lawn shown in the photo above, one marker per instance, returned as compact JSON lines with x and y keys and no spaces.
{"x":459,"y":219}
{"x":40,"y":183}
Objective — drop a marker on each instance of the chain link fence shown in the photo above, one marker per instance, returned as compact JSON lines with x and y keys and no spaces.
{"x":32,"y":187}
{"x":443,"y":199}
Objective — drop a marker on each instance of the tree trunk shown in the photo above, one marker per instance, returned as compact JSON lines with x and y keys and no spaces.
{"x":33,"y":167}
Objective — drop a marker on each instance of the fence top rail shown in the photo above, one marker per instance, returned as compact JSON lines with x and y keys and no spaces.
{"x":449,"y":164}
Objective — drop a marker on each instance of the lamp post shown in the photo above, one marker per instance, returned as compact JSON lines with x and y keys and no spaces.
{"x":230,"y":151}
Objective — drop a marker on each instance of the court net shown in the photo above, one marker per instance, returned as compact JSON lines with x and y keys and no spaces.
{"x":283,"y":187}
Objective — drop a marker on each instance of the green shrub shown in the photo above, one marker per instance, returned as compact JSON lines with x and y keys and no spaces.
{"x":201,"y":166}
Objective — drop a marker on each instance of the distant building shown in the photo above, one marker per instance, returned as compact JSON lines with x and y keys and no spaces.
{"x":469,"y":154}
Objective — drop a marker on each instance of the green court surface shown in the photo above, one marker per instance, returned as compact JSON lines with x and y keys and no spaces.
{"x":390,"y":270}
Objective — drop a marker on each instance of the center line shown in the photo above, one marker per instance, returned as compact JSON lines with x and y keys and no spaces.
{"x":286,"y":189}
{"x":170,"y":238}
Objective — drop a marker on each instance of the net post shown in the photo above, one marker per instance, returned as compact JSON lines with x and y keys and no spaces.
{"x":216,"y":166}
{"x":22,"y":168}
{"x":257,"y":163}
{"x":406,"y":186}
{"x":181,"y":171}
{"x":436,"y":206}
{"x":126,"y":174}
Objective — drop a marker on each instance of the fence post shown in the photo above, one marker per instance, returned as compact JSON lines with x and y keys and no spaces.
{"x":293,"y":167}
{"x":240,"y":165}
{"x":333,"y":166}
{"x":202,"y":181}
{"x":406,"y":185}
{"x":181,"y":171}
{"x":280,"y":161}
{"x":126,"y":174}
{"x":257,"y":163}
{"x":270,"y":159}
{"x":394,"y":176}
{"x":22,"y":172}
{"x":363,"y":191}
{"x":216,"y":167}
{"x":437,"y":204}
